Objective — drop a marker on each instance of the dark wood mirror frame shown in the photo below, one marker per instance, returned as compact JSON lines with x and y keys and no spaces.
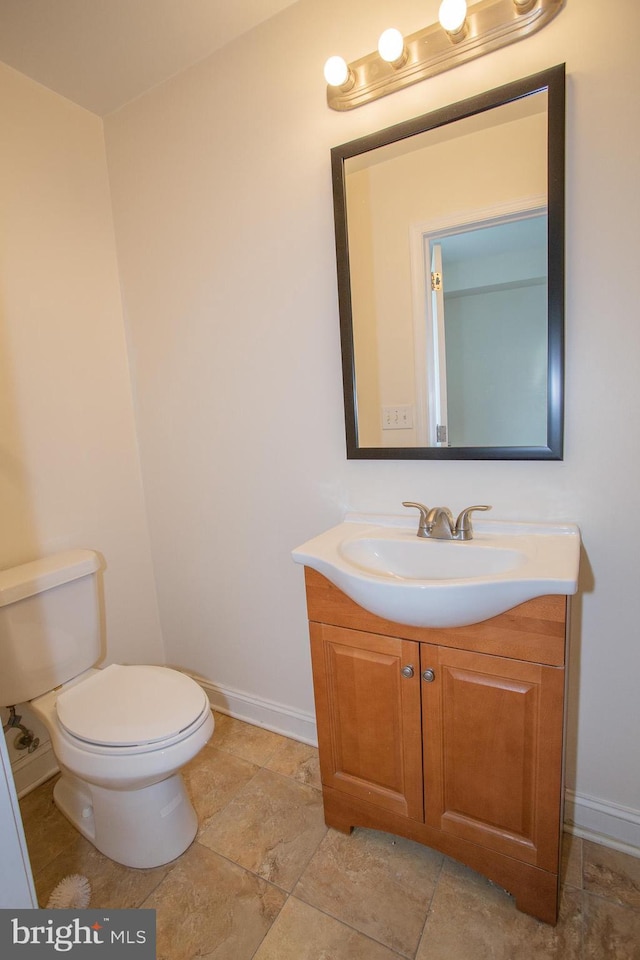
{"x":553,"y":81}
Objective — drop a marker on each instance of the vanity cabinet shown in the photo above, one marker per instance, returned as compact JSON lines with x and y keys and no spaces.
{"x":452,"y":737}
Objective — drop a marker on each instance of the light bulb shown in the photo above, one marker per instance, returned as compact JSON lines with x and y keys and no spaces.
{"x":452,"y":14}
{"x":391,"y":45}
{"x":336,"y":71}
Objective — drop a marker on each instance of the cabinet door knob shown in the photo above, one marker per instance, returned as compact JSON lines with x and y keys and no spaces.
{"x":428,"y":676}
{"x":407,"y":671}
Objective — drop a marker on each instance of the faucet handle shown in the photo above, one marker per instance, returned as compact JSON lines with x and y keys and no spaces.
{"x":424,"y":512}
{"x":463,"y":528}
{"x":419,"y":506}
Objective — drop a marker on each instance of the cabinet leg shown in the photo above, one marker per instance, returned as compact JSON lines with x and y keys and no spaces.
{"x":334,"y":820}
{"x":540,"y":899}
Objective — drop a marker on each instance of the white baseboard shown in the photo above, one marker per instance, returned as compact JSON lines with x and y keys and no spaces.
{"x":599,"y":820}
{"x":262,"y":713}
{"x":603,"y":822}
{"x":34,"y":768}
{"x":29,"y":769}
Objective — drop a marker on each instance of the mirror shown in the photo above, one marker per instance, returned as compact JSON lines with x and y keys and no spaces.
{"x":450,"y":250}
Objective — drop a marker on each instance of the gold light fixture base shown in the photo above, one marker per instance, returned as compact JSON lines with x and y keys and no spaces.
{"x":490,"y":25}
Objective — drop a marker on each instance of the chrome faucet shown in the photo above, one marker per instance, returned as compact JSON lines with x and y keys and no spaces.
{"x":437,"y":523}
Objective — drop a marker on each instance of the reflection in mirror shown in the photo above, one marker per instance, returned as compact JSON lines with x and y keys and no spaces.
{"x":489,"y":328}
{"x":449,"y":236}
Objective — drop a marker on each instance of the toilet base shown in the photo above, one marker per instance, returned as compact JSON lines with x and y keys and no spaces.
{"x":138,"y":828}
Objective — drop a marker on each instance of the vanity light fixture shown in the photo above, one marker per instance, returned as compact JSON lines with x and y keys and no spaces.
{"x":461,"y":34}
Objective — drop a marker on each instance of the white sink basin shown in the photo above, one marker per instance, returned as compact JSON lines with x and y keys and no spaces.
{"x":382,"y":565}
{"x":403,"y":559}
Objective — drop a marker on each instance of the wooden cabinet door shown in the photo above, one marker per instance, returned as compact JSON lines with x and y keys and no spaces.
{"x":368,"y":717}
{"x":493,"y":752}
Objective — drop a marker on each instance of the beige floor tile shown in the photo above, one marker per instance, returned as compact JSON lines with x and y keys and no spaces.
{"x":571,"y":861}
{"x":363,"y":896}
{"x":612,"y":874}
{"x":303,"y":933}
{"x":213,"y":778}
{"x":472,"y":918}
{"x":379,"y":884}
{"x":272,"y":827}
{"x":47,"y":831}
{"x":611,"y":931}
{"x":297,"y":760}
{"x":112,"y":884}
{"x":254,"y":744}
{"x":207,"y":907}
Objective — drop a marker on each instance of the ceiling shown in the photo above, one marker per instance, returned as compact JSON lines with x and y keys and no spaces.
{"x":103,"y":53}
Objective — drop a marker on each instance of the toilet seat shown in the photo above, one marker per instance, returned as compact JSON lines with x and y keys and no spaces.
{"x":131,"y":706}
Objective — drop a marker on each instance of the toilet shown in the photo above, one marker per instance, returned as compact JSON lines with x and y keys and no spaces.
{"x":120,"y":734}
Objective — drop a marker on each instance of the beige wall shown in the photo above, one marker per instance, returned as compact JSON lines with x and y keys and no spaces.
{"x":69,"y":468}
{"x":222,"y":203}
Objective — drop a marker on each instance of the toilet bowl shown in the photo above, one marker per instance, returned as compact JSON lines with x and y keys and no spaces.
{"x":120,"y":734}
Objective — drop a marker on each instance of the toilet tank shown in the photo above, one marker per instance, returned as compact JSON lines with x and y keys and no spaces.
{"x":49,"y":623}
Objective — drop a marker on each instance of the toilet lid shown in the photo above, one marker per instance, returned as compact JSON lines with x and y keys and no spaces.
{"x":131,"y":705}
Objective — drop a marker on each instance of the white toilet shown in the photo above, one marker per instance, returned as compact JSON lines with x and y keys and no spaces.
{"x":120,"y":734}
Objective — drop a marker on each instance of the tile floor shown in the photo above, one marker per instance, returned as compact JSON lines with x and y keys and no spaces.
{"x":266,"y":880}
